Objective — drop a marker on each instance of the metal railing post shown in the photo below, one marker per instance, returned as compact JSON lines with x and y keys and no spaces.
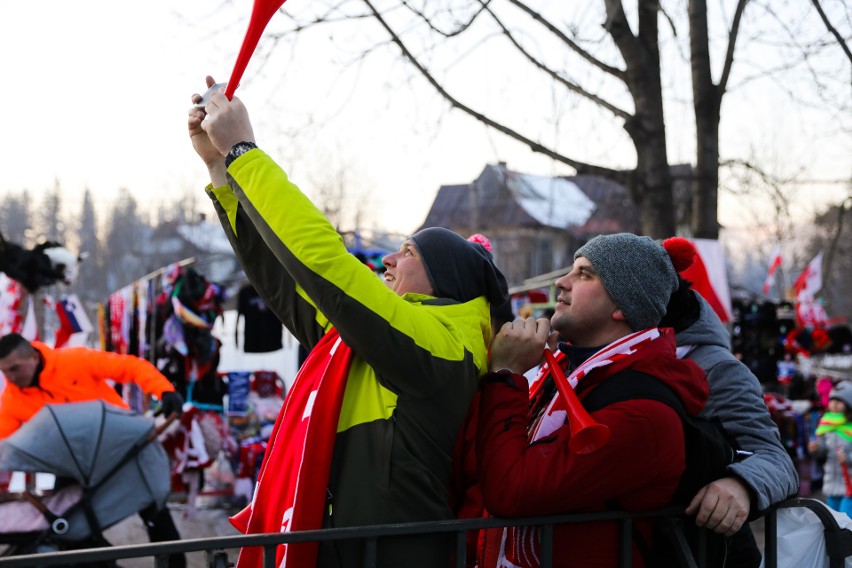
{"x":461,"y":549}
{"x":217,"y":559}
{"x":625,"y":544}
{"x":370,"y":552}
{"x":770,"y":539}
{"x":269,"y":556}
{"x":547,"y":546}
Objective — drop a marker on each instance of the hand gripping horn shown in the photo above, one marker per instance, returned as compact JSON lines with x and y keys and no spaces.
{"x":587,"y":435}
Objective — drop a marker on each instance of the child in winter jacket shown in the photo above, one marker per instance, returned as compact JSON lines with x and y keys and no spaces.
{"x":834,"y":444}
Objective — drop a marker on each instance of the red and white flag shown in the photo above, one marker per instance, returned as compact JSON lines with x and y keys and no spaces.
{"x":809,"y":281}
{"x":774,"y":264}
{"x":709,"y":276}
{"x":810,"y":313}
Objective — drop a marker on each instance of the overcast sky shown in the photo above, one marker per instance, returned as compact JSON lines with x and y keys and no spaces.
{"x":95,"y":93}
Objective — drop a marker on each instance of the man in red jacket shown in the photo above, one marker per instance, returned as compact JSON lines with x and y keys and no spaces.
{"x":607,"y":309}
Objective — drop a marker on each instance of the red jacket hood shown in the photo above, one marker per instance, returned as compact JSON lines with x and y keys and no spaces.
{"x":659,"y":359}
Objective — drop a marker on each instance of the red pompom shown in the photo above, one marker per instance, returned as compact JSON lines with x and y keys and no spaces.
{"x":681,"y":251}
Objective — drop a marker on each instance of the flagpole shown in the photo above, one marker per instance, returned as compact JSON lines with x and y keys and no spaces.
{"x":782,"y":284}
{"x":785,"y":282}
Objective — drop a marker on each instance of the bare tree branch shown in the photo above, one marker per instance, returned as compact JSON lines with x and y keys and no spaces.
{"x":423,"y":27}
{"x":614,"y":71}
{"x":732,"y":40}
{"x":581,"y":167}
{"x":841,"y":214}
{"x":431,"y":25}
{"x":805,"y":59}
{"x":617,"y":26}
{"x":570,"y":85}
{"x":832,"y":30}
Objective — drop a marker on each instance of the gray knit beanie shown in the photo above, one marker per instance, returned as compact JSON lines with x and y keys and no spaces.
{"x":842,"y":391}
{"x":458,"y":268}
{"x":636,"y":272}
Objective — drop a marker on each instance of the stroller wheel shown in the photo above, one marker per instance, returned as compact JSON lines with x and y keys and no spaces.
{"x":60,"y":526}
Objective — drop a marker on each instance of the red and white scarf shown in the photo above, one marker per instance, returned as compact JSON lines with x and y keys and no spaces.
{"x":293,"y":482}
{"x":556,"y":415}
{"x":521,"y":544}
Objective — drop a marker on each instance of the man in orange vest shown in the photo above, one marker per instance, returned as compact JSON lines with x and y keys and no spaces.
{"x":37,"y":375}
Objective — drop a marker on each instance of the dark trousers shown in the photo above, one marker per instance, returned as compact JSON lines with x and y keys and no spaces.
{"x":161,"y":528}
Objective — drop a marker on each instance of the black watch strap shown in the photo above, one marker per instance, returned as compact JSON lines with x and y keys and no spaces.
{"x":238,"y":150}
{"x":500,"y":376}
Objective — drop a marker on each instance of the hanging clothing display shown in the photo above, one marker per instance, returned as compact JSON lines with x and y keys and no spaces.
{"x":262,"y":331}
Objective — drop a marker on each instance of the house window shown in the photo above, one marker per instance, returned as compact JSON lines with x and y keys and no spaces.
{"x":541,"y":260}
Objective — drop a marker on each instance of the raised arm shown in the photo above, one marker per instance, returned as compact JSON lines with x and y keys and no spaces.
{"x":388,"y":331}
{"x":271,"y":280}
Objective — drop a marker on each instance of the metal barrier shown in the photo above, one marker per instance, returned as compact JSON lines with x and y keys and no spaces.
{"x":838,"y":540}
{"x":217,"y":558}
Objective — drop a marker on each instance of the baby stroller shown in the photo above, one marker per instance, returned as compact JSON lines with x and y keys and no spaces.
{"x":108,"y":465}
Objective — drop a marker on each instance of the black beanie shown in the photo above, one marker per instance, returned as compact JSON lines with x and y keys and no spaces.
{"x":459,"y":269}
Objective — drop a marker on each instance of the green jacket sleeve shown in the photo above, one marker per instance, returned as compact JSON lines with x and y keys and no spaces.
{"x":409,"y":340}
{"x":269,"y":277}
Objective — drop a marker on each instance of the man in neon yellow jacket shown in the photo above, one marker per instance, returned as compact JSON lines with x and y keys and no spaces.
{"x":418,"y":343}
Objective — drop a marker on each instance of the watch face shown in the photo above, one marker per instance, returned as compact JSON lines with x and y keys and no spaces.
{"x":238,"y":150}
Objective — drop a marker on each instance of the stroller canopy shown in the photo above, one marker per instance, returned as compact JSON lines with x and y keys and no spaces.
{"x":101,"y":447}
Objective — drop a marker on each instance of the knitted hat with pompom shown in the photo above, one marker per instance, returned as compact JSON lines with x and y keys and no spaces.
{"x":638,"y":273}
{"x":459,"y":269}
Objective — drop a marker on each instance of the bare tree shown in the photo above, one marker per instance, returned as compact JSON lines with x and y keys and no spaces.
{"x":51,"y":224}
{"x":338,"y":192}
{"x":91,"y":282}
{"x":834,"y":236}
{"x":604,"y":56}
{"x":125,"y":241}
{"x":707,"y":102}
{"x":15,"y":218}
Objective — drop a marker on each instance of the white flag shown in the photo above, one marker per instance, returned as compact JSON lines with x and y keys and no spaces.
{"x":809,"y":281}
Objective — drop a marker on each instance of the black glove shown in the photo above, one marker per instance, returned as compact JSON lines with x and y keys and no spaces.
{"x":171,"y":401}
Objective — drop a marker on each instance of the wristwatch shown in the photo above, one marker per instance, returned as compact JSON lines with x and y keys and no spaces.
{"x":238,"y":150}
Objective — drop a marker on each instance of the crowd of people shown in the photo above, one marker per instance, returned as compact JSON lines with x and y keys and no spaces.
{"x":397,"y":365}
{"x":413,"y":403}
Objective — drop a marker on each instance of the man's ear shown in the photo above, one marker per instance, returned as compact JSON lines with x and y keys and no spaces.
{"x":618,"y":315}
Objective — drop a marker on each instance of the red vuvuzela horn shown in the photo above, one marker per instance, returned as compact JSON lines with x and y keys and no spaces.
{"x":587,"y":435}
{"x":261,"y":13}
